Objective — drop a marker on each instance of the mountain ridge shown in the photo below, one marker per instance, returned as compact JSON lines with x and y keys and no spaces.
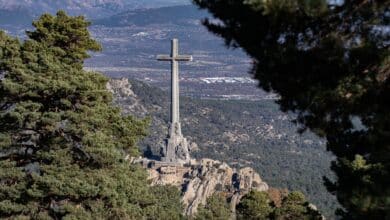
{"x":90,"y":8}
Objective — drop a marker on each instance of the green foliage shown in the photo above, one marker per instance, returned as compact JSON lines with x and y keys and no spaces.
{"x":67,"y":36}
{"x":255,"y":205}
{"x":216,"y":208}
{"x":169,"y":207}
{"x":62,"y":143}
{"x":330,"y":64}
{"x":295,"y":206}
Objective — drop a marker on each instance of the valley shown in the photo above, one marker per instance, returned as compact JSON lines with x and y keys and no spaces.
{"x":132,"y":40}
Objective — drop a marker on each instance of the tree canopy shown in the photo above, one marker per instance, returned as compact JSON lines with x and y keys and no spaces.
{"x":259,"y":205}
{"x":62,"y":143}
{"x":255,"y":205}
{"x":329,"y":62}
{"x":295,"y":206}
{"x":216,"y":208}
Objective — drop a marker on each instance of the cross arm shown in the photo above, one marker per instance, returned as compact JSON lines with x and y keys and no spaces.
{"x":165,"y":57}
{"x":183,"y":58}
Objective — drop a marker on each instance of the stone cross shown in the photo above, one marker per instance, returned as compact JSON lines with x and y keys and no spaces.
{"x":174,"y":150}
{"x":174,"y":58}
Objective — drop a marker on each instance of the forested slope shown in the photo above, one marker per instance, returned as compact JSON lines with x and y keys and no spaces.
{"x":241,"y":133}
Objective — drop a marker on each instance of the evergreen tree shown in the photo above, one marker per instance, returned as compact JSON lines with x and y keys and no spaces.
{"x":295,"y":206}
{"x":255,"y":205}
{"x":169,"y":206}
{"x":216,"y":208}
{"x":66,"y":34}
{"x":62,"y":143}
{"x":329,"y":62}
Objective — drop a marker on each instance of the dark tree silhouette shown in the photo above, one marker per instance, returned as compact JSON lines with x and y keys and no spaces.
{"x":329,"y":61}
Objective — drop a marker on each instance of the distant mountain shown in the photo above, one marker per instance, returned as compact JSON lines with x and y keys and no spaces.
{"x":90,"y":8}
{"x":164,"y":15}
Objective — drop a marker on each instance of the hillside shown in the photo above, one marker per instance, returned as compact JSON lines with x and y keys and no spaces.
{"x":241,"y":133}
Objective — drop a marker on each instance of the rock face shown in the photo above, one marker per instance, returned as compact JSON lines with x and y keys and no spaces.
{"x":200,"y":180}
{"x":121,"y":89}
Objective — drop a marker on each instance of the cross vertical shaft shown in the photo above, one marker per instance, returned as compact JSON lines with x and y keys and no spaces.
{"x":174,"y":58}
{"x":175,"y":112}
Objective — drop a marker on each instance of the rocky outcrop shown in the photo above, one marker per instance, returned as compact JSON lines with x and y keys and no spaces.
{"x":201,"y":179}
{"x":121,"y":88}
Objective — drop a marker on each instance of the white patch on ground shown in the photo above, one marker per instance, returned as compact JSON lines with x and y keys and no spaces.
{"x":140,"y":34}
{"x":114,"y":40}
{"x":214,"y":80}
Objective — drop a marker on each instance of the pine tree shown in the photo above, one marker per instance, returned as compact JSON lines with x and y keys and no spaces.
{"x":216,"y":208}
{"x":258,"y":205}
{"x":330,"y":63}
{"x":295,"y":206}
{"x":255,"y":205}
{"x":62,"y":143}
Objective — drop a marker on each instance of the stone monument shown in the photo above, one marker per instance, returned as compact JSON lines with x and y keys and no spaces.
{"x":175,"y":149}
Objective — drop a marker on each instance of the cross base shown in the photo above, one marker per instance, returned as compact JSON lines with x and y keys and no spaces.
{"x":175,"y":148}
